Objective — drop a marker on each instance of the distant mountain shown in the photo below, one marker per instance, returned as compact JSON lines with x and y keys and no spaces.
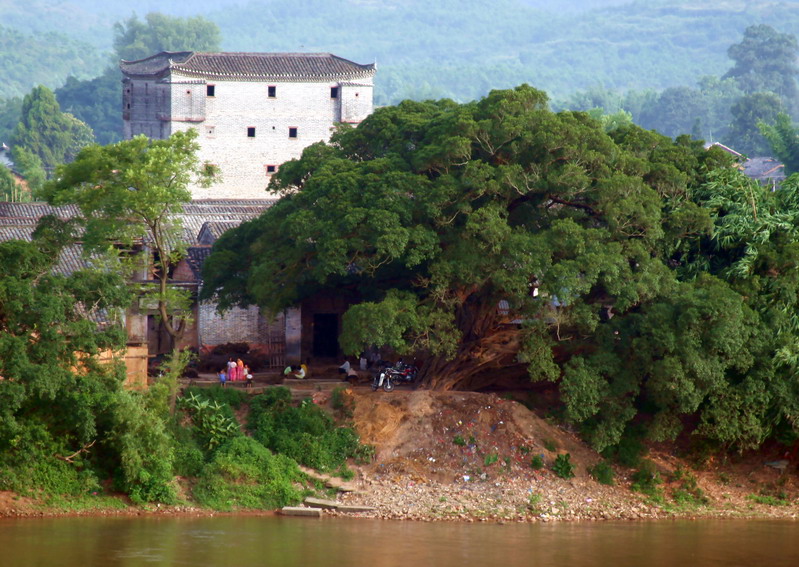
{"x":28,"y":60}
{"x":448,"y":48}
{"x":462,"y":48}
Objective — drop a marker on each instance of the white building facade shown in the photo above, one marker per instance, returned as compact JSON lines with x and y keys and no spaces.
{"x":253,"y":111}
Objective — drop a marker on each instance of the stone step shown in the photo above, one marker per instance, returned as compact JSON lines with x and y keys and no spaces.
{"x":333,"y":505}
{"x":301,"y":511}
{"x":352,"y":508}
{"x":320,"y":503}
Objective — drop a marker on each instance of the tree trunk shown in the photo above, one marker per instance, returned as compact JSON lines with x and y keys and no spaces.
{"x":478,"y":364}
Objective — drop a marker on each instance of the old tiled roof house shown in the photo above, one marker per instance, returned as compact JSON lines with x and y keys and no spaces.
{"x":253,"y":111}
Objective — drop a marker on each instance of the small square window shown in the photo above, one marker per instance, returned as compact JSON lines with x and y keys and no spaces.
{"x":271,"y":168}
{"x":210,"y":90}
{"x":251,"y":132}
{"x":292,"y":132}
{"x":188,"y":92}
{"x":271,"y":91}
{"x":333,"y":92}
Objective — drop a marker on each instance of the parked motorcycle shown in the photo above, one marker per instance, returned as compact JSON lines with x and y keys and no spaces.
{"x":388,"y":377}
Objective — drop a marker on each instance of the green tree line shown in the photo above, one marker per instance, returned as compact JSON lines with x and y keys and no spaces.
{"x":647,"y":278}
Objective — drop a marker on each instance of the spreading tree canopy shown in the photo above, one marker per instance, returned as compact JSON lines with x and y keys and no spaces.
{"x":497,"y":239}
{"x":130,"y":192}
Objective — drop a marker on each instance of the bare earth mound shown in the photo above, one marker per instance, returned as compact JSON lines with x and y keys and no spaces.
{"x":467,"y":456}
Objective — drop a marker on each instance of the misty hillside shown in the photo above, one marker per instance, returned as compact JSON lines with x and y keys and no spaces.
{"x":450,"y":48}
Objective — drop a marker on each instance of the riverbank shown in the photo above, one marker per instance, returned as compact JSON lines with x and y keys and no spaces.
{"x":470,"y":457}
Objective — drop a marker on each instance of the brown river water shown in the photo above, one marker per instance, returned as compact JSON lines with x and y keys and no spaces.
{"x":244,"y":541}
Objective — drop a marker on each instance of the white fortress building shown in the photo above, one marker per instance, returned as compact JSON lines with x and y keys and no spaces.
{"x":253,"y":111}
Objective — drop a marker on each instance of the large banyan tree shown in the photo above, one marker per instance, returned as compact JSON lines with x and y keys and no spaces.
{"x":500,"y":239}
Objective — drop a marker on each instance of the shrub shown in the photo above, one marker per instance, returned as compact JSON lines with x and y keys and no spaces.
{"x":537,"y":462}
{"x":213,"y":421}
{"x":244,"y":474}
{"x":225,"y":396}
{"x":688,"y":491}
{"x":629,"y":450}
{"x":341,"y":402}
{"x":490,"y":459}
{"x":459,"y":441}
{"x":563,"y":467}
{"x":306,"y":433}
{"x":647,"y":479}
{"x":145,"y":451}
{"x":602,"y":472}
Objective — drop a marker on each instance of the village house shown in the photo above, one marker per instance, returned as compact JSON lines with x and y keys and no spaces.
{"x":253,"y":111}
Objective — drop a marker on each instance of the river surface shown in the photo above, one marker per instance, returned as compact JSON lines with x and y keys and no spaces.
{"x":245,"y":541}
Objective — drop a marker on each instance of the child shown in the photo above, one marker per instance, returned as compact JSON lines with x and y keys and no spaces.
{"x":248,"y":376}
{"x":222,"y":378}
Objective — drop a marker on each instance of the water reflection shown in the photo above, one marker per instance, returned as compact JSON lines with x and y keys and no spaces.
{"x":257,"y":541}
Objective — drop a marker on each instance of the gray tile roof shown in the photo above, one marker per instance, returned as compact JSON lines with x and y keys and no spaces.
{"x":248,"y":66}
{"x":212,"y":230}
{"x":35,"y":210}
{"x":196,"y":256}
{"x":17,"y":220}
{"x":764,"y":169}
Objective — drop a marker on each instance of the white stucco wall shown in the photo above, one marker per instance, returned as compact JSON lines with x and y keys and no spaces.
{"x":223,"y":121}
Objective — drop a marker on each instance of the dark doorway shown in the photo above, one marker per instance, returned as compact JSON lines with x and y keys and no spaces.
{"x":325,"y":335}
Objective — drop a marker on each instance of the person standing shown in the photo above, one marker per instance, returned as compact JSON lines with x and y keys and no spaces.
{"x":231,"y":369}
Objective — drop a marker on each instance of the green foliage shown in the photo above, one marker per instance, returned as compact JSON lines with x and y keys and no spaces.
{"x":53,"y":136}
{"x":783,"y":138}
{"x":223,"y":396}
{"x":213,"y":420}
{"x":342,"y":402}
{"x":132,"y":190}
{"x":630,"y":448}
{"x":550,"y":445}
{"x":647,"y":480}
{"x":602,"y":473}
{"x":768,"y":500}
{"x":459,"y":441}
{"x":244,"y":474}
{"x":30,"y":466}
{"x":641,"y":268}
{"x":534,"y":503}
{"x":306,"y":433}
{"x":36,"y":58}
{"x":490,"y":459}
{"x":537,"y":462}
{"x":765,"y":60}
{"x":747,"y":113}
{"x":687,"y":493}
{"x":563,"y":466}
{"x":141,"y":439}
{"x":134,"y":39}
{"x":96,"y":102}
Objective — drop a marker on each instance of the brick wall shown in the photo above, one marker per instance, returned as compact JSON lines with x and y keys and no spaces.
{"x":238,"y":325}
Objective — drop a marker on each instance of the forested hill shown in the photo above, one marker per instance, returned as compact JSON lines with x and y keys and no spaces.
{"x":28,"y":60}
{"x":449,"y":48}
{"x":461,"y":49}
